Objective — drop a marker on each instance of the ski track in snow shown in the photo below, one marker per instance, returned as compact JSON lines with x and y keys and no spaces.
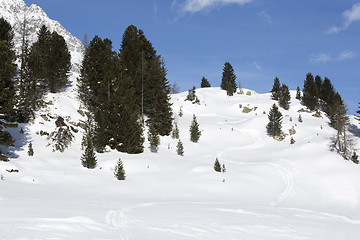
{"x":285,"y":172}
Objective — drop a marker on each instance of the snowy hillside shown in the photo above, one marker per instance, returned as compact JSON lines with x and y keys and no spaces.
{"x":271,"y":189}
{"x":16,"y":11}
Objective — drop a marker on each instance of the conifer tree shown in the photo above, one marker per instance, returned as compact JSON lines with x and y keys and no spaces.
{"x":309,"y":98}
{"x":7,"y":88}
{"x":147,"y":72}
{"x":275,"y":120}
{"x":327,"y":93}
{"x":194,"y":130}
{"x":204,"y":83}
{"x":228,"y":81}
{"x":153,"y":138}
{"x":300,"y":119}
{"x":340,"y":121}
{"x":284,"y":99}
{"x":30,"y":150}
{"x":358,"y":112}
{"x":175,"y":132}
{"x":217,"y":165}
{"x":119,"y":171}
{"x":180,"y":148}
{"x":318,"y":85}
{"x":276,"y":91}
{"x":191,"y":96}
{"x":298,"y":93}
{"x":88,"y":158}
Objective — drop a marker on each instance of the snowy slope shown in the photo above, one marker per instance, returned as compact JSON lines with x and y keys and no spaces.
{"x":271,"y":190}
{"x":15,"y":11}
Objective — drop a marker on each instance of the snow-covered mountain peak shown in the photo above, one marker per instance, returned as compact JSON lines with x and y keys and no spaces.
{"x":16,"y":12}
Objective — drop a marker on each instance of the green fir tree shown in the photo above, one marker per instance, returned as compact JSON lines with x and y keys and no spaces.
{"x":30,"y":150}
{"x":153,"y":138}
{"x":194,"y":130}
{"x":119,"y":171}
{"x":180,"y":148}
{"x":275,"y":121}
{"x":204,"y":83}
{"x":284,"y":99}
{"x":228,"y":81}
{"x":217,"y":165}
{"x":276,"y":91}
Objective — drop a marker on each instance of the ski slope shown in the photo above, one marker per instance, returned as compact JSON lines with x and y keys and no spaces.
{"x":271,"y":189}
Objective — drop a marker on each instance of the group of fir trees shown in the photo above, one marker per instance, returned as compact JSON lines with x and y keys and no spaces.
{"x":7,"y":88}
{"x":43,"y":67}
{"x":281,"y":94}
{"x":122,"y":89}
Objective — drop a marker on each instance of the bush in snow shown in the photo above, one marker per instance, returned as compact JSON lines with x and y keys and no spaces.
{"x":354,"y":158}
{"x":192,"y":96}
{"x":119,"y":170}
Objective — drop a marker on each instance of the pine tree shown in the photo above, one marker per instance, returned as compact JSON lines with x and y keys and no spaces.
{"x":58,"y":63}
{"x":30,"y":150}
{"x":284,"y":99}
{"x":318,"y":85}
{"x":191,"y":96}
{"x":310,"y":94}
{"x":88,"y":159}
{"x":180,"y":148}
{"x":276,"y":91}
{"x":217,"y":166}
{"x":327,"y":93}
{"x":228,"y":81}
{"x":153,"y":138}
{"x":204,"y":83}
{"x":298,"y":93}
{"x":147,"y":72}
{"x":194,"y":130}
{"x":275,"y":120}
{"x":119,"y":171}
{"x":7,"y":88}
{"x":175,"y":132}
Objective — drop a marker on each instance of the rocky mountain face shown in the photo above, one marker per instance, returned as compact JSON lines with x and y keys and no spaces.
{"x":21,"y":17}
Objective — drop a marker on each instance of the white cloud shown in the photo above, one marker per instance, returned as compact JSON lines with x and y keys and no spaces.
{"x":350,"y":16}
{"x":265,"y":16}
{"x":321,"y":58}
{"x":257,"y":66}
{"x":193,"y":6}
{"x":344,"y":55}
{"x":326,"y":57}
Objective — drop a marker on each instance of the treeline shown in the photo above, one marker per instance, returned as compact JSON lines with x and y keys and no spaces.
{"x":123,"y":90}
{"x":44,"y":67}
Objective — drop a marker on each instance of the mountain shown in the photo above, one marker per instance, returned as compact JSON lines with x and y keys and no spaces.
{"x":15,"y":11}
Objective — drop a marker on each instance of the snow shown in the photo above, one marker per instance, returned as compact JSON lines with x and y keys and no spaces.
{"x":271,"y":189}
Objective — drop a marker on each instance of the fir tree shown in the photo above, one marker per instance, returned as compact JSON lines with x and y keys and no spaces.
{"x":318,"y":85}
{"x":284,"y":99}
{"x":194,"y":130}
{"x":327,"y":93}
{"x":310,"y":94}
{"x":298,"y":93}
{"x":276,"y":91}
{"x":217,"y":165}
{"x":175,"y":132}
{"x":30,"y":150}
{"x":228,"y":81}
{"x":275,"y":120}
{"x":153,"y":138}
{"x":180,"y":148}
{"x":88,"y":159}
{"x":358,"y":112}
{"x":119,"y":171}
{"x":204,"y":83}
{"x":191,"y":96}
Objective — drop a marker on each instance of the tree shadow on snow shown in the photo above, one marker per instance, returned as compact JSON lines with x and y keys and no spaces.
{"x":22,"y":139}
{"x":354,"y":130}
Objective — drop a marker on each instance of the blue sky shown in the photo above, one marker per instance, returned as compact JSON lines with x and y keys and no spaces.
{"x":262,"y":39}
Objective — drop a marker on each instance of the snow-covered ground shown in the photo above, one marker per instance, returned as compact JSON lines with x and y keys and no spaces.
{"x":271,"y":189}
